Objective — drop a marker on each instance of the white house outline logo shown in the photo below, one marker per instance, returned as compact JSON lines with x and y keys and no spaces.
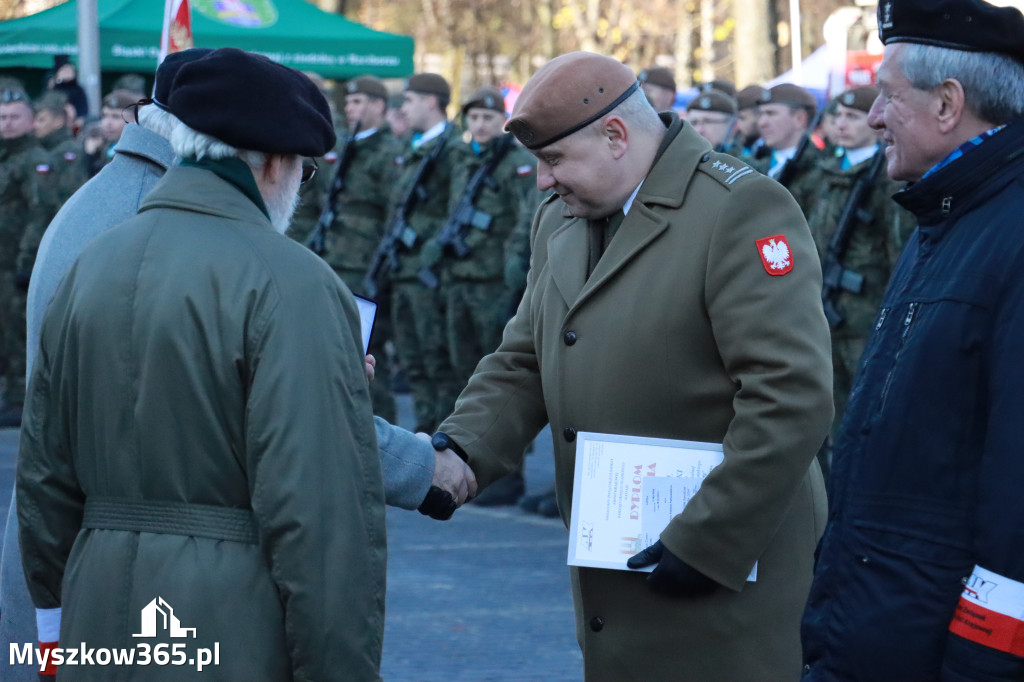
{"x":170,"y":621}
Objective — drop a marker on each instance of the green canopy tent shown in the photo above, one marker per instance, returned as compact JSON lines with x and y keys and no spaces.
{"x":292,"y":32}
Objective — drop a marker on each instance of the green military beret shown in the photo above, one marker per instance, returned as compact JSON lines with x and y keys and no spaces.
{"x":860,"y":98}
{"x":367,"y":85}
{"x":429,"y":84}
{"x":713,"y":100}
{"x":660,"y":76}
{"x":793,"y":95}
{"x":485,"y":98}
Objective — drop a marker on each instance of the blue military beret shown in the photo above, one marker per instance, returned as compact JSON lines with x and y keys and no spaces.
{"x":970,"y":25}
{"x":250,"y":102}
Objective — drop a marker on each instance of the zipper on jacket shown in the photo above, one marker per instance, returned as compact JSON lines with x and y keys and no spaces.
{"x":881,"y":318}
{"x":899,"y":351}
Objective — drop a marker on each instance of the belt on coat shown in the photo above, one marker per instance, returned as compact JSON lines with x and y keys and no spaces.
{"x":171,"y":518}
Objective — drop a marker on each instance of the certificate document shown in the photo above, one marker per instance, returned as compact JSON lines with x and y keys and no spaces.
{"x":627,"y":489}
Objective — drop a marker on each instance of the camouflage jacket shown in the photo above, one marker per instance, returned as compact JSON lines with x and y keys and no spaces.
{"x":874,"y":242}
{"x":431,"y":203}
{"x":70,"y":162}
{"x":28,"y":200}
{"x":509,"y":197}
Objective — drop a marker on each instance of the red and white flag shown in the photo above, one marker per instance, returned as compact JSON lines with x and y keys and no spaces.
{"x":177,"y":30}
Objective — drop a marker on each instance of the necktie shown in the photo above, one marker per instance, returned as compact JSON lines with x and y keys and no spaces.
{"x":595,"y":242}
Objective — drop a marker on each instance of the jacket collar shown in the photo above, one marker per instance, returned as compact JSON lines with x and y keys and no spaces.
{"x":665,"y":185}
{"x":201,"y":191}
{"x":139,"y":141}
{"x":971,"y":178}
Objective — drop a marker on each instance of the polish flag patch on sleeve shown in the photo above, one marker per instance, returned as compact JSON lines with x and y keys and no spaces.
{"x":991,"y":612}
{"x":524,"y":170}
{"x":775,"y":254}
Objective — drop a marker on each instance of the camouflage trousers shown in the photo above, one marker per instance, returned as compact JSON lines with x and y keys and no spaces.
{"x":475,"y":316}
{"x":12,"y":339}
{"x":417,"y":319}
{"x":382,"y":392}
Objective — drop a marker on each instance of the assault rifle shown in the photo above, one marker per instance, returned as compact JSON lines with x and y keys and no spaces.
{"x":785,"y":176}
{"x":452,"y":237}
{"x":834,"y":276}
{"x":399,"y":234}
{"x":317,"y":241}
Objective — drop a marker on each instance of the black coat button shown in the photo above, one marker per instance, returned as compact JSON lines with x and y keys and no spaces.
{"x":569,"y":338}
{"x":569,"y":434}
{"x":597,"y":623}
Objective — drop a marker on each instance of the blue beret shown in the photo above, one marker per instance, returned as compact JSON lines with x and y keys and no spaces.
{"x":970,"y":25}
{"x":250,"y":102}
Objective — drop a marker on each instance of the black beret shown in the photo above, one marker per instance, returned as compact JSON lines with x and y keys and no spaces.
{"x":250,"y":102}
{"x":168,"y":69}
{"x":485,"y":98}
{"x":429,"y":84}
{"x":367,"y":85}
{"x":970,"y":25}
{"x":660,"y":76}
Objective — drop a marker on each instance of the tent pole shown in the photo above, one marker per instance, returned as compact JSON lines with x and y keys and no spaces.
{"x":89,"y":53}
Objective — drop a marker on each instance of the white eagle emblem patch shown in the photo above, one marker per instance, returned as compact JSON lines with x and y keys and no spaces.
{"x":775,"y":254}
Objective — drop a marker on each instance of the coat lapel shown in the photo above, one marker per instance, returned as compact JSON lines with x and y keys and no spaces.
{"x":567,"y":247}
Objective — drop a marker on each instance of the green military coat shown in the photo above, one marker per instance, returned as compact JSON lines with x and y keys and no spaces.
{"x":680,"y":332}
{"x":199,"y":363}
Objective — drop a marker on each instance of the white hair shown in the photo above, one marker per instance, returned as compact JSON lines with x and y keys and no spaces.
{"x":155,"y":119}
{"x":993,"y":83}
{"x":189,"y":143}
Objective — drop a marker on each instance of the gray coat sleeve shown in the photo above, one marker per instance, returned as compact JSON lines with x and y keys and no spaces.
{"x":407,"y":464}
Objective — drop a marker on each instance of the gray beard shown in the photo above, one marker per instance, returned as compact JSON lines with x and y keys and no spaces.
{"x":282,"y":206}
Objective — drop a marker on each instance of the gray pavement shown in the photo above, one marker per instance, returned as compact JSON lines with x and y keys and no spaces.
{"x":483,"y":598}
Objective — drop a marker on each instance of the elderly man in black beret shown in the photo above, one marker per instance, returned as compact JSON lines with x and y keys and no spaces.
{"x":198,"y":463}
{"x":920,"y":574}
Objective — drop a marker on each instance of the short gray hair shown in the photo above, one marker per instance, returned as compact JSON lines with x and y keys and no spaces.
{"x":636,"y":111}
{"x":993,"y":83}
{"x":155,"y":119}
{"x":188,"y":143}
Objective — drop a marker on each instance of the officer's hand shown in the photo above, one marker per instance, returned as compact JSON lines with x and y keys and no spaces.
{"x":452,"y":485}
{"x":371,"y":364}
{"x":672,"y":576}
{"x":430,"y":254}
{"x":515,"y":274}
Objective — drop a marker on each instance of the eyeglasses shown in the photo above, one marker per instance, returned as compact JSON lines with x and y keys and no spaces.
{"x":308,"y":171}
{"x":8,"y":96}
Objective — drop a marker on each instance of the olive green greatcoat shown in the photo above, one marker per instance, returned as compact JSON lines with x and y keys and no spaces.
{"x":680,"y":332}
{"x":222,"y":366}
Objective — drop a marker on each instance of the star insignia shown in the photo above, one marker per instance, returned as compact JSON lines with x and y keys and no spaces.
{"x":717,"y":164}
{"x":729,"y":169}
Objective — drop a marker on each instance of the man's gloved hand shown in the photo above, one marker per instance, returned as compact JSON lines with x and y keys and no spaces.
{"x":438,"y":504}
{"x":431,"y":254}
{"x":672,"y":576}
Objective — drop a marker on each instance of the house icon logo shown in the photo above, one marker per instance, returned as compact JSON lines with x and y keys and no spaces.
{"x":159,"y":613}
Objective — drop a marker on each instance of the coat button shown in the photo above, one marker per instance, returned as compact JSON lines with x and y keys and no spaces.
{"x":569,"y":434}
{"x":597,"y":623}
{"x":569,"y":338}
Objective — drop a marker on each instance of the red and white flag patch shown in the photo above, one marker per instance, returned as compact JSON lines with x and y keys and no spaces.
{"x":524,"y":170}
{"x":331,"y":156}
{"x":991,"y":612}
{"x":775,"y":254}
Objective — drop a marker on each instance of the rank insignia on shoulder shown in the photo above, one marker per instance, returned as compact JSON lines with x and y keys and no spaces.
{"x":331,"y":156}
{"x":43,"y":168}
{"x":775,"y":254}
{"x":731,"y":172}
{"x":70,"y":156}
{"x":524,"y":170}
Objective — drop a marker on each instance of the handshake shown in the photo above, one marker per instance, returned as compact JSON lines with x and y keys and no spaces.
{"x":453,"y":483}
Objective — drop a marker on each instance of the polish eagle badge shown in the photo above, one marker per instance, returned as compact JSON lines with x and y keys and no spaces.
{"x":775,"y":254}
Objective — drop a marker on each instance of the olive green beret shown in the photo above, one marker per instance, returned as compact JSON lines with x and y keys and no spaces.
{"x":713,"y":100}
{"x":970,"y":25}
{"x":367,"y":85}
{"x":485,"y":98}
{"x":120,"y":99}
{"x":722,"y":85}
{"x":568,"y":93}
{"x":860,"y":98}
{"x":660,"y":76}
{"x":793,"y":95}
{"x":751,"y":96}
{"x":429,"y":84}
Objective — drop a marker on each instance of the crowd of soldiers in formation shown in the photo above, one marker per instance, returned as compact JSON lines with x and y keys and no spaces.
{"x":431,"y":217}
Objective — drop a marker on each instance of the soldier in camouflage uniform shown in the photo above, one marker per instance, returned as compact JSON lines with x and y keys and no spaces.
{"x":417,"y":311}
{"x":359,"y":213}
{"x":712,"y":114}
{"x":874,"y":240}
{"x":785,"y":112}
{"x":70,"y":163}
{"x":27,"y":203}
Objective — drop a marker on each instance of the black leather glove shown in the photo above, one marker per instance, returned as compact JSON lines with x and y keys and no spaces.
{"x":672,"y":576}
{"x":438,"y":504}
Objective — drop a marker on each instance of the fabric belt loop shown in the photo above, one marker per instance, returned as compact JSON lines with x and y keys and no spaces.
{"x":171,"y":518}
